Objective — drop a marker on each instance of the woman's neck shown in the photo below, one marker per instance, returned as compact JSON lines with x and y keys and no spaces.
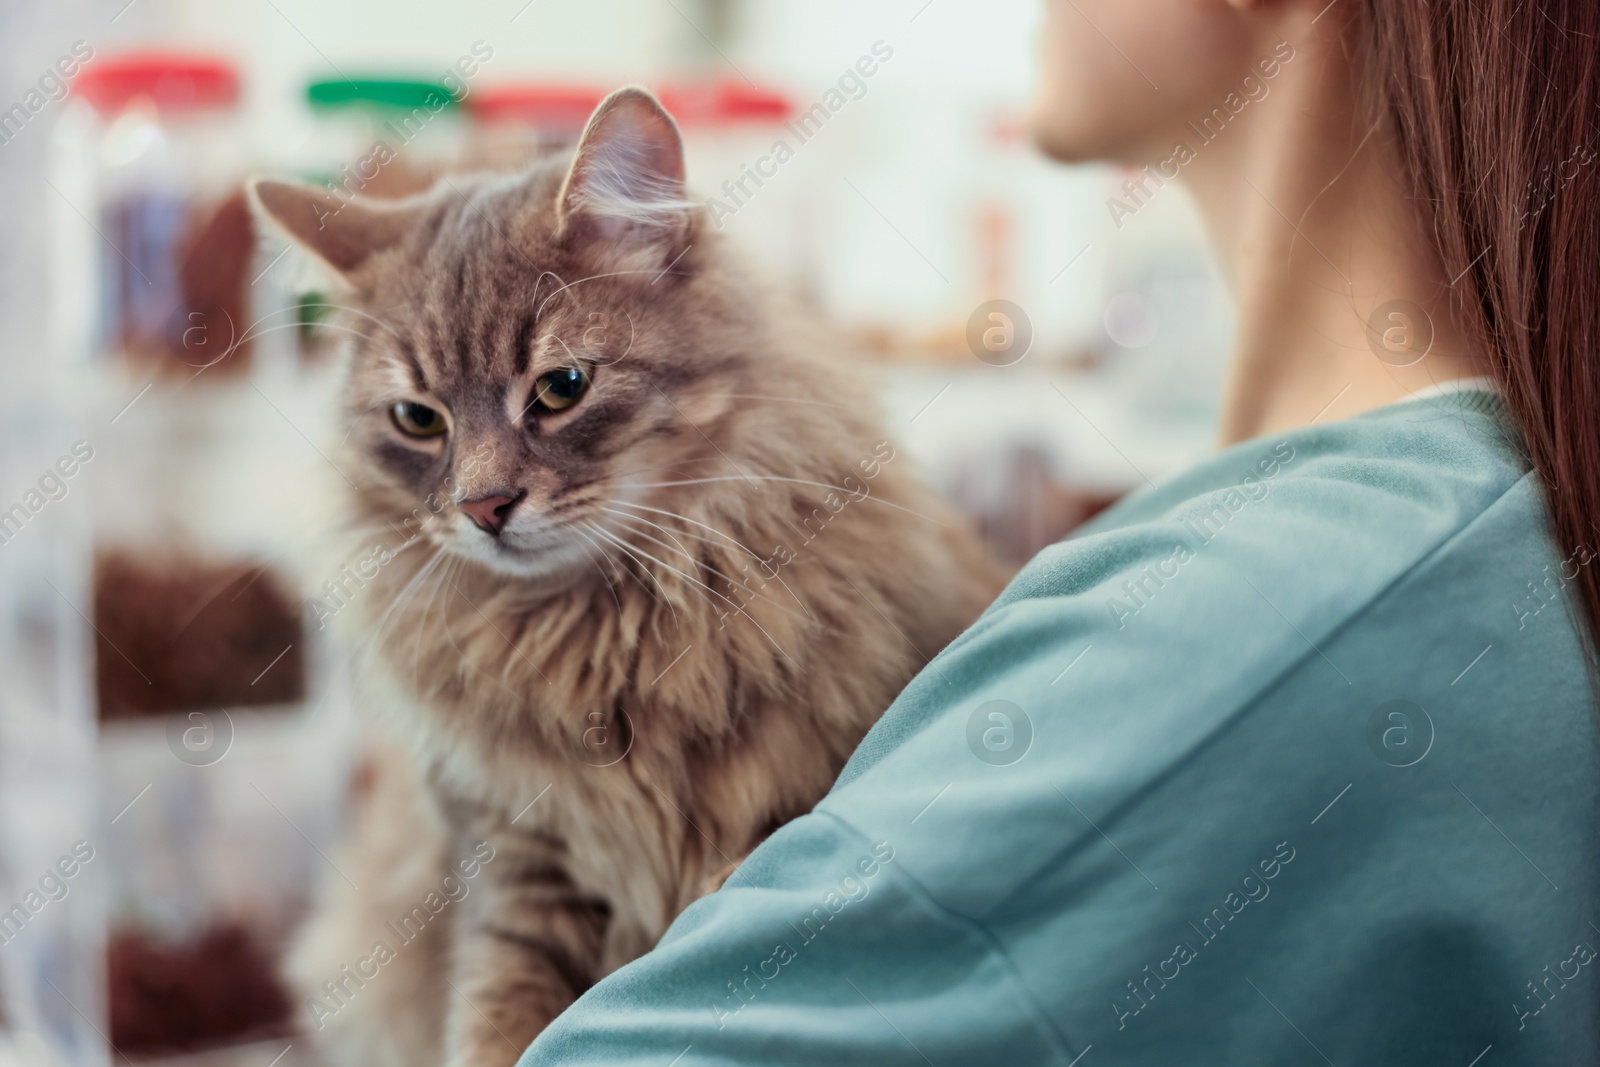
{"x":1319,"y":239}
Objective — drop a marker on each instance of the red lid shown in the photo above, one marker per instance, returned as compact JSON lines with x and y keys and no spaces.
{"x":723,"y":102}
{"x":568,"y":107}
{"x":546,"y":106}
{"x":175,"y":82}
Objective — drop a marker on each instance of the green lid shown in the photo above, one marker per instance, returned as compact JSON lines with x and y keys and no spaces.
{"x":378,"y":92}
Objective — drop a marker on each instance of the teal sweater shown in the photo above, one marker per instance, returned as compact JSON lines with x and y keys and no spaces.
{"x":1290,"y":760}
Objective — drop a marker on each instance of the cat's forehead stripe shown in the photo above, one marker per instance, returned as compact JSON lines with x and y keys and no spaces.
{"x":479,"y":305}
{"x":522,"y":346}
{"x":408,"y":353}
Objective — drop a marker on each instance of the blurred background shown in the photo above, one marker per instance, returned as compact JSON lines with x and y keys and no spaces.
{"x":174,"y":732}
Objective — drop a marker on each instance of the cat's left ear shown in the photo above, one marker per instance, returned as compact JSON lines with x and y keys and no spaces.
{"x":623,"y":200}
{"x":344,"y":233}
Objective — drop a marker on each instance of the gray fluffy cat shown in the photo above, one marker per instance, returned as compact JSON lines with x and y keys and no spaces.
{"x":667,"y":571}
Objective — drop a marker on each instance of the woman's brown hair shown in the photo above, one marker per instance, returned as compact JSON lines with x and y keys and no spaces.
{"x":1496,"y":108}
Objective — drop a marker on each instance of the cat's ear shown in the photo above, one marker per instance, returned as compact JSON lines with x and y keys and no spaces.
{"x":623,"y":198}
{"x":343,"y":232}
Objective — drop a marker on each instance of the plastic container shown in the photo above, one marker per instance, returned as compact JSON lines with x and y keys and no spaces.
{"x":515,"y":124}
{"x":378,"y":136}
{"x":730,"y":132}
{"x":177,"y":237}
{"x":381,"y":136}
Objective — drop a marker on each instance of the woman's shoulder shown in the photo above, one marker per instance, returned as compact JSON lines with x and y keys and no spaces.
{"x":1392,"y":479}
{"x":1337,"y":568}
{"x":1357,"y":657}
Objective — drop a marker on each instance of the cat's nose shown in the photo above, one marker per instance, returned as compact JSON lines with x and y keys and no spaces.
{"x":491,"y":512}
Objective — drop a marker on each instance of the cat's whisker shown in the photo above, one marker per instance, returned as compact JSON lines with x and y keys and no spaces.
{"x":792,"y":481}
{"x":720,"y":546}
{"x":422,"y":623}
{"x":689,"y":577}
{"x":250,"y":331}
{"x":465,"y":660}
{"x":678,"y":545}
{"x":538,"y":282}
{"x":782,"y":400}
{"x":697,"y":561}
{"x":407,"y":543}
{"x":595,"y":277}
{"x":751,"y":593}
{"x":631,"y":549}
{"x":752,"y":553}
{"x":402,"y":596}
{"x":775,"y":576}
{"x":438,"y":677}
{"x":358,"y":312}
{"x":663,"y":598}
{"x":737,"y":607}
{"x":255,"y":335}
{"x":361,"y":535}
{"x":725,"y":536}
{"x":461,"y":655}
{"x":632,"y":333}
{"x":609,"y":583}
{"x":399,"y":598}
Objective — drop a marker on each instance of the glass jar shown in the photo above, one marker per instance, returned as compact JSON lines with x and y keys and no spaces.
{"x":176,"y":238}
{"x":381,"y":136}
{"x":517,"y":123}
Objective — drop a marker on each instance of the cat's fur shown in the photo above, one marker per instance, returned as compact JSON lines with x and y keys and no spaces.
{"x":720,"y":568}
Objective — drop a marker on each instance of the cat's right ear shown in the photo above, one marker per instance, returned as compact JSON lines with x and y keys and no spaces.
{"x":344,"y":233}
{"x":623,"y":198}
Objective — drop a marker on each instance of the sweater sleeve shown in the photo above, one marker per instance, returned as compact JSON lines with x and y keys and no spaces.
{"x":820,"y":950}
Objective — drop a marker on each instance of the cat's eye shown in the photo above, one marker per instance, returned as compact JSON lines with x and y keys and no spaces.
{"x":558,"y":390}
{"x":417,"y":420}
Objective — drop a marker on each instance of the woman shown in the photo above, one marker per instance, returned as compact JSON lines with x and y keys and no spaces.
{"x":1293,"y":758}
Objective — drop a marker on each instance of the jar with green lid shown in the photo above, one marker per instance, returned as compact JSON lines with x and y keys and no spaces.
{"x":373,"y":136}
{"x":381,"y":136}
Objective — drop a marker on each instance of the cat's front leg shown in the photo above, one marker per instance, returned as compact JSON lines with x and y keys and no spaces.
{"x":527,"y":944}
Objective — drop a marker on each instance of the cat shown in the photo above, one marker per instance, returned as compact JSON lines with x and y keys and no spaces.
{"x":661,"y":571}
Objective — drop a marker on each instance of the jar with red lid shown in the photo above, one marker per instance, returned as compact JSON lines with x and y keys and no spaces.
{"x":161,"y":167}
{"x":515,"y":123}
{"x":732,"y":133}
